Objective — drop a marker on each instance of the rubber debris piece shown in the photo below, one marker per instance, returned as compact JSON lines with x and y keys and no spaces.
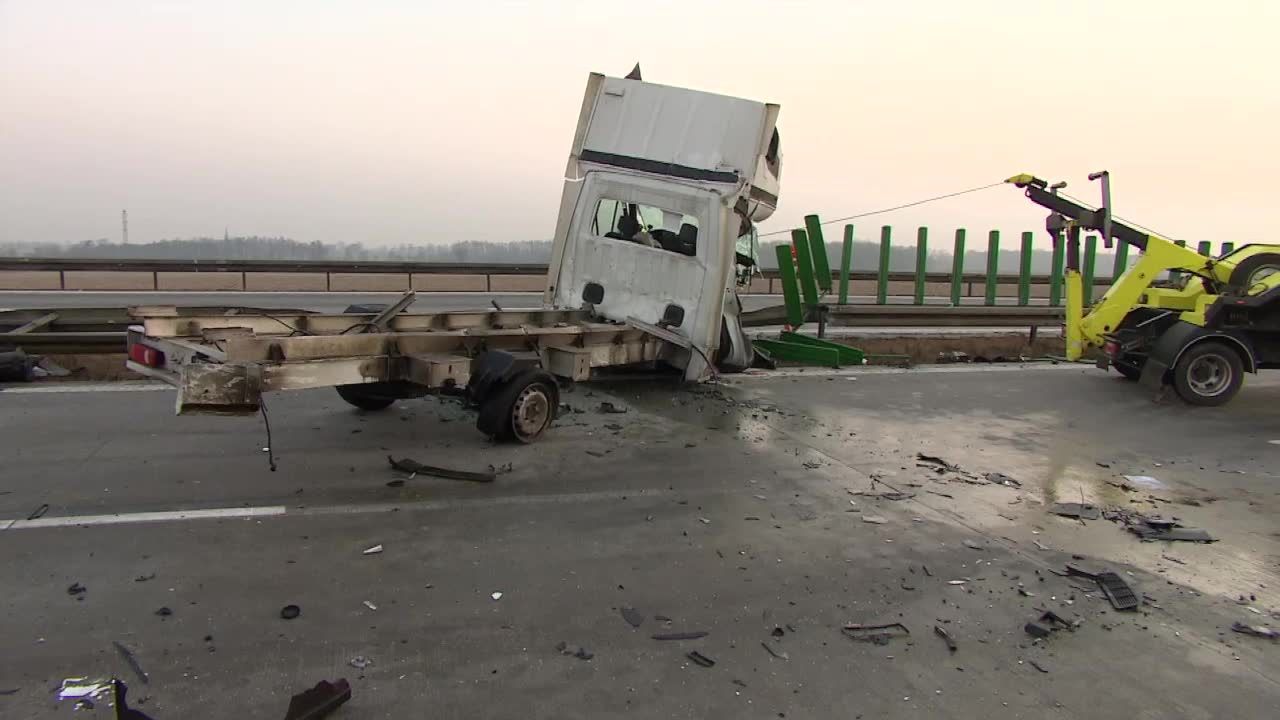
{"x":289,"y":612}
{"x":414,"y":467}
{"x":1147,"y":532}
{"x":119,"y":693}
{"x":877,"y":634}
{"x":1037,"y":631}
{"x":700,"y":659}
{"x":39,"y":512}
{"x":694,"y":635}
{"x":1117,"y":591}
{"x":775,"y":653}
{"x":632,"y":616}
{"x":996,"y":478}
{"x":319,"y":701}
{"x":946,"y":637}
{"x":1080,"y":511}
{"x":372,"y":551}
{"x":1261,"y":631}
{"x":1038,"y":666}
{"x":131,"y":661}
{"x":581,"y":653}
{"x":76,"y":589}
{"x":609,"y":408}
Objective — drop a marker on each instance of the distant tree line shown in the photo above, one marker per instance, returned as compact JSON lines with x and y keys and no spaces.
{"x":866,"y":254}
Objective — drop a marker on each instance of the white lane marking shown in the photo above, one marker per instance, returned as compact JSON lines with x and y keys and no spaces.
{"x":143,"y":517}
{"x":918,"y":370}
{"x":72,"y":387}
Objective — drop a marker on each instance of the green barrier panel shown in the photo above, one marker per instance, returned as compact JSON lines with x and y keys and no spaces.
{"x":922,"y":262}
{"x":1122,"y":261}
{"x":818,"y":252}
{"x":957,"y":268}
{"x":1205,"y":248}
{"x":794,"y":347}
{"x":846,"y":262}
{"x":993,"y":265}
{"x":1090,"y":255}
{"x":1024,"y":269}
{"x":1055,"y":274}
{"x":882,"y":280}
{"x":790,"y":289}
{"x":804,"y":268}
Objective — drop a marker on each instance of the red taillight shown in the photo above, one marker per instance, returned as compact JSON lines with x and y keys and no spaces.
{"x":1112,"y":349}
{"x":144,"y":355}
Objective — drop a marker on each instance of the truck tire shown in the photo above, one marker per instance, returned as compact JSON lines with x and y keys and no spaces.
{"x":1208,"y":373}
{"x":521,"y":409}
{"x":1252,"y":270}
{"x":367,"y":396}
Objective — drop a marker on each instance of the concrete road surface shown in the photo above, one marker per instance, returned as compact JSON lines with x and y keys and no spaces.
{"x":767,"y":512}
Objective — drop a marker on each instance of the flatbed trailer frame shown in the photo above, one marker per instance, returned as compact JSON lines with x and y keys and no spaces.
{"x":223,"y":363}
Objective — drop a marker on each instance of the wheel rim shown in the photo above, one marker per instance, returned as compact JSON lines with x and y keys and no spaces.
{"x":531,"y":412}
{"x":1261,"y":274}
{"x":1209,"y":375}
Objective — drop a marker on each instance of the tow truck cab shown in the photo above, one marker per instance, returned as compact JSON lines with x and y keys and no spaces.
{"x":662,"y":188}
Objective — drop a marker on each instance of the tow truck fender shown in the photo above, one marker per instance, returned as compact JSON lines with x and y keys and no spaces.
{"x":1178,"y":339}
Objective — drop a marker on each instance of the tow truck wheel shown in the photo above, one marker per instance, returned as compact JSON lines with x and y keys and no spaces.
{"x":1209,"y":374}
{"x":521,"y":409}
{"x":366,"y":396}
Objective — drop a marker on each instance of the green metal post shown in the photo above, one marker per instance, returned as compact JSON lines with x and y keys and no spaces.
{"x":846,"y":262}
{"x":1055,"y":274}
{"x":922,"y":262}
{"x":1122,"y":261}
{"x":818,"y":251}
{"x":1228,"y":247}
{"x":1090,"y":256}
{"x":1205,"y":248}
{"x":790,"y":290}
{"x":1024,"y":269}
{"x":882,"y":279}
{"x":993,"y":265}
{"x":1174,"y":275}
{"x":957,"y":267}
{"x":804,"y":268}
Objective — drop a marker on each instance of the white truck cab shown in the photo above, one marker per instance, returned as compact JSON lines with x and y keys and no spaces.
{"x":661,"y":184}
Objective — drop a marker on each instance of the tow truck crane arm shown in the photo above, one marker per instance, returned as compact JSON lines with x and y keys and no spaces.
{"x":1086,"y":330}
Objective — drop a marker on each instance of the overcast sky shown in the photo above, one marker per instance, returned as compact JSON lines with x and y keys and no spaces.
{"x":419,"y":122}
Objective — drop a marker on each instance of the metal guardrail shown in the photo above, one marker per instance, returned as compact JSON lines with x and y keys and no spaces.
{"x":316,"y":266}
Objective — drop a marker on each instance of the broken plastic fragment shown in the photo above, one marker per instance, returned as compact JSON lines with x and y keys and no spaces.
{"x":77,"y":688}
{"x":373,"y":550}
{"x":359,"y":662}
{"x":496,"y":596}
{"x":369,"y":604}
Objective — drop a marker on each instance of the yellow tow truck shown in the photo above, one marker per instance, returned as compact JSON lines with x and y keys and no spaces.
{"x":1200,"y":336}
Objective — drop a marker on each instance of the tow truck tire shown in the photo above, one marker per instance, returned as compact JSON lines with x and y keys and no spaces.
{"x":1208,"y":374}
{"x":1252,"y":270}
{"x":521,"y":409}
{"x":366,"y":396}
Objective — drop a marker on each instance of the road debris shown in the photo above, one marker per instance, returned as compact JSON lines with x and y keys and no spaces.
{"x":1117,"y":591}
{"x":132,"y":661}
{"x":289,"y":612}
{"x":164,"y":612}
{"x":1145,"y":482}
{"x":144,"y":578}
{"x":79,"y":688}
{"x":1079,"y":511}
{"x":609,"y":408}
{"x":38,"y":512}
{"x":359,"y":662}
{"x":414,"y":468}
{"x":581,"y":653}
{"x":775,"y":653}
{"x":1172,"y":534}
{"x":319,"y":701}
{"x":496,"y":595}
{"x":996,"y":478}
{"x":878,"y":634}
{"x":1261,"y":631}
{"x":957,"y":582}
{"x":946,"y":637}
{"x":76,"y":590}
{"x":1038,"y":666}
{"x":1041,"y":545}
{"x":874,"y":519}
{"x":369,"y":604}
{"x":693,"y":635}
{"x":372,"y":551}
{"x":632,"y":616}
{"x":700,"y":659}
{"x":973,"y":545}
{"x":938,"y":464}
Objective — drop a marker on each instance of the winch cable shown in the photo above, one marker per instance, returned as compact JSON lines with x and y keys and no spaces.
{"x":896,"y":207}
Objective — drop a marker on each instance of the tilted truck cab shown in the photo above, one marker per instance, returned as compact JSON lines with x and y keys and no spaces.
{"x":661,"y":183}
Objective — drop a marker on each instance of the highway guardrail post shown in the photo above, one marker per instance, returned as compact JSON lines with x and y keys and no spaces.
{"x":922,"y":262}
{"x":846,"y":263}
{"x":957,"y":267}
{"x":882,"y":279}
{"x":993,"y":265}
{"x":818,"y":252}
{"x":1024,"y":269}
{"x":804,"y":268}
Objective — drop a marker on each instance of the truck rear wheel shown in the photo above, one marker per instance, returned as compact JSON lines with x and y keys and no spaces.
{"x":1209,"y":373}
{"x":521,"y":409}
{"x":367,"y":396}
